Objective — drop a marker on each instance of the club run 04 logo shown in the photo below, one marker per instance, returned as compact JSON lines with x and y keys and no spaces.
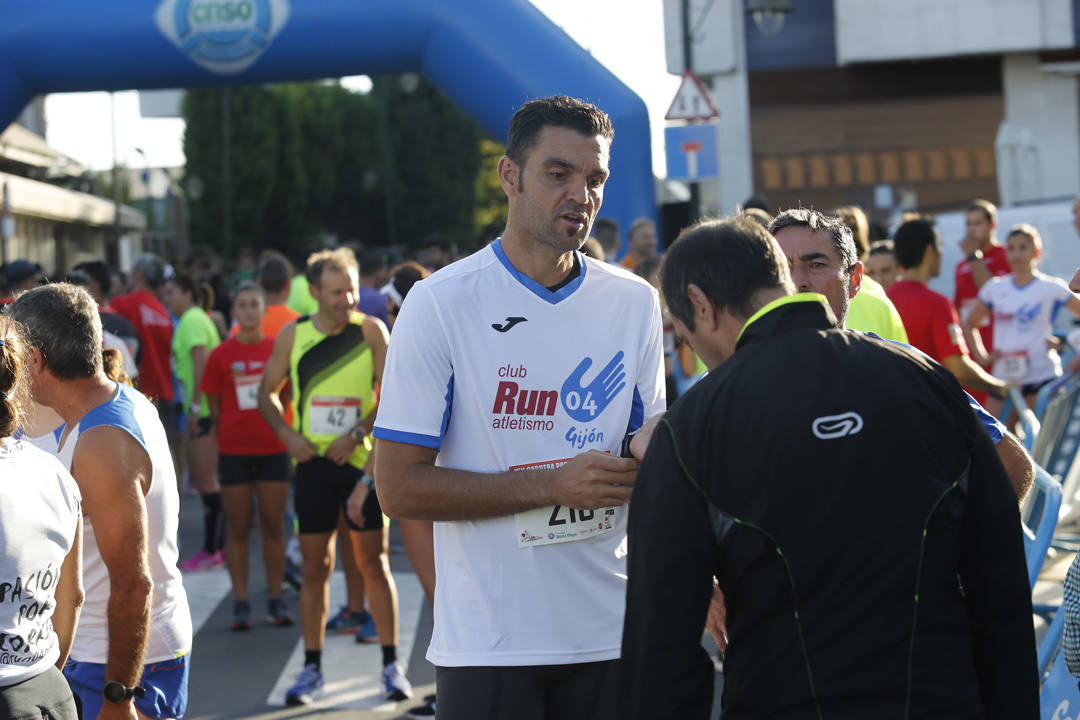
{"x":583,"y":397}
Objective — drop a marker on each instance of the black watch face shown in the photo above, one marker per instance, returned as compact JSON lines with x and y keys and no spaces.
{"x":115,"y":691}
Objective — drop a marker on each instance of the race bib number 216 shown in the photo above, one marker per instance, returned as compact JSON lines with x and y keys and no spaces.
{"x":559,"y":524}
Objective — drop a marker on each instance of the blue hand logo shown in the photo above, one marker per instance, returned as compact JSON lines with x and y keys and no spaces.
{"x":584,"y":402}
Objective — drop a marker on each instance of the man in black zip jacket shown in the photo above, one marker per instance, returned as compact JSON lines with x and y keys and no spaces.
{"x":851,"y":593}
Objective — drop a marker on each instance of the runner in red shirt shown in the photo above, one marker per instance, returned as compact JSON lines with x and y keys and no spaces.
{"x":142,"y":309}
{"x":251,"y":459}
{"x":985,"y":259}
{"x":929,"y":318}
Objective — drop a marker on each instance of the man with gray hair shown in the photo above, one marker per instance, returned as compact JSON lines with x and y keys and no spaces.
{"x":822,"y":258}
{"x":130,"y":656}
{"x":142,"y":308}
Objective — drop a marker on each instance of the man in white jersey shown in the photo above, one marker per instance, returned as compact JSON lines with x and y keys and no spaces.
{"x":512,"y":379}
{"x":130,"y":656}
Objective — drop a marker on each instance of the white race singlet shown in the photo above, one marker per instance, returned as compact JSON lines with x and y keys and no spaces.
{"x":1023,"y":321}
{"x":170,"y":619}
{"x":499,"y":373}
{"x":39,"y":512}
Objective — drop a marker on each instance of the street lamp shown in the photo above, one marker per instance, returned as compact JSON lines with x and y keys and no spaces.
{"x":769,"y":14}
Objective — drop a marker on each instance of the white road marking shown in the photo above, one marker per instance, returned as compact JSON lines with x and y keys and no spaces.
{"x":352,"y":671}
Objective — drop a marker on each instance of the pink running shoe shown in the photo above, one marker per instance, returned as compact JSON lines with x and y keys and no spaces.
{"x":203,"y":560}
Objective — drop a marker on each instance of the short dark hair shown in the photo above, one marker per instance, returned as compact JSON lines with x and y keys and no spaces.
{"x":882,"y":247}
{"x":730,"y":260}
{"x":759,"y":202}
{"x":837,"y":231}
{"x":62,"y":321}
{"x":99,"y":272}
{"x":274,"y":273}
{"x":554,"y":111}
{"x":911,"y":240}
{"x":152,"y":269}
{"x":988,"y":209}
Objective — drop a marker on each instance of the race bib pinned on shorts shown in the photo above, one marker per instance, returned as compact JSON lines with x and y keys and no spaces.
{"x":247,"y":391}
{"x":333,"y":415}
{"x":1013,"y":366}
{"x":559,"y":524}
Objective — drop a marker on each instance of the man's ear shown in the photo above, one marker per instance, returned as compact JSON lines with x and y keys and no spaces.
{"x":509,"y":174}
{"x":704,"y":310}
{"x":37,"y":362}
{"x":856,"y":280}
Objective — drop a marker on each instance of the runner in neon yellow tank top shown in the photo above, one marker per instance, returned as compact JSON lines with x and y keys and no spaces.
{"x":334,"y":359}
{"x":335,"y":377}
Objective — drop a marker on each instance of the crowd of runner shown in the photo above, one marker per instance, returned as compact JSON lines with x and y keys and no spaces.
{"x":507,"y":456}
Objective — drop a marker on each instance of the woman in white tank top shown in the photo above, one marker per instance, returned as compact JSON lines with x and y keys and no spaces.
{"x":40,"y":556}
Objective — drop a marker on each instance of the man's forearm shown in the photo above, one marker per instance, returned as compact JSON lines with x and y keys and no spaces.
{"x":271,"y":413}
{"x":979,"y":272}
{"x":972,"y":376}
{"x":427,"y":492}
{"x":129,"y":627}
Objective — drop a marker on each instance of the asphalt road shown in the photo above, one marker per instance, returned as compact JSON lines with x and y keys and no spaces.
{"x":245,"y":674}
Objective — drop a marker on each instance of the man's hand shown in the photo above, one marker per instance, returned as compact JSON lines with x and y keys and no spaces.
{"x":969,"y":245}
{"x":118,"y":711}
{"x":354,"y":507}
{"x":640,"y":442}
{"x":594,"y":480}
{"x":299,"y":447}
{"x":716,"y":620}
{"x":193,"y":423}
{"x":340,"y":450}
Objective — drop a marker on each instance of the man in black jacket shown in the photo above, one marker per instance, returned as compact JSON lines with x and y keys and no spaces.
{"x":850,"y":593}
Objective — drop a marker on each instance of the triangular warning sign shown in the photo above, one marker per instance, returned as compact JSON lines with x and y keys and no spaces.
{"x":692,"y":101}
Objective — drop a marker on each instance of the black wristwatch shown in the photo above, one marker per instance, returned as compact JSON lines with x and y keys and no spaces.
{"x":624,"y":451}
{"x":117,"y":692}
{"x":358,"y":435}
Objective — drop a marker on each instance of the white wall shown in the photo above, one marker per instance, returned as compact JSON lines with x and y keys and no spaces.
{"x":1038,"y":144}
{"x":872,"y":30}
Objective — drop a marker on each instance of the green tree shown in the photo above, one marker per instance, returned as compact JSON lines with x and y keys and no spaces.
{"x":436,"y":156}
{"x":252,"y":163}
{"x":489,"y":211}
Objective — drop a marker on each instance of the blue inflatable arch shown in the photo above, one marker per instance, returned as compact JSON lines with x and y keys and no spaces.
{"x":488,"y":56}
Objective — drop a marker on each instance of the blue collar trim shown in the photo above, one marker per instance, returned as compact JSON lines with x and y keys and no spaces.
{"x":536,"y":288}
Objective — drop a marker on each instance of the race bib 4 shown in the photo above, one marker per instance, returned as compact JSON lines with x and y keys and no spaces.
{"x":247,"y":391}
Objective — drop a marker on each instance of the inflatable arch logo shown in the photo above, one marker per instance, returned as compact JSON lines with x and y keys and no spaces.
{"x":488,"y":56}
{"x":223,"y":36}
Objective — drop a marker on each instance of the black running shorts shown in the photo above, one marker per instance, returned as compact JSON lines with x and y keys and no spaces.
{"x":247,"y":469}
{"x":322,"y":488}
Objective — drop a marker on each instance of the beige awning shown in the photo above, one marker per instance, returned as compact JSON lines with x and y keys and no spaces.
{"x":38,"y":199}
{"x":22,"y":146}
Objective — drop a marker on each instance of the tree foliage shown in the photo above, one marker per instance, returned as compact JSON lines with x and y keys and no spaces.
{"x":312,"y":160}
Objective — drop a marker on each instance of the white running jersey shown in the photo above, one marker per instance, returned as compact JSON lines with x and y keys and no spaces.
{"x":39,"y":512}
{"x":499,"y":373}
{"x":1023,"y":321}
{"x":170,"y":619}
